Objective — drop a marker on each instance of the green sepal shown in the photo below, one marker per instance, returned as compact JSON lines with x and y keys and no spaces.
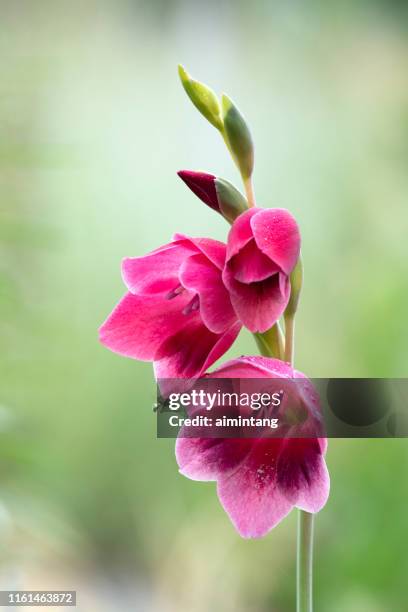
{"x":203,"y":98}
{"x":231,"y":201}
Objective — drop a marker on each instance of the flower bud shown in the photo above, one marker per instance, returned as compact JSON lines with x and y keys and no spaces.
{"x":217,"y":193}
{"x":203,"y":98}
{"x":296,"y":281}
{"x":238,"y":136}
{"x":203,"y":185}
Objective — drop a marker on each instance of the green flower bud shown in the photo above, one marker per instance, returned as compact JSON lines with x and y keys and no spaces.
{"x":238,"y":137}
{"x":203,"y":98}
{"x":296,"y":281}
{"x":231,"y":201}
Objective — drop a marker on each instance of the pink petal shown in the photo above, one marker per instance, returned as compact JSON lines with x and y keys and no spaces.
{"x":302,"y":474}
{"x":323,"y":445}
{"x":207,"y":458}
{"x":214,"y":250}
{"x":199,"y":275}
{"x":157,"y":272}
{"x":258,"y":305}
{"x":277,"y":235}
{"x":241,"y":232}
{"x":224,"y":342}
{"x":138,"y":324}
{"x":251,"y":265}
{"x":194,"y":348}
{"x":254,"y":367}
{"x":250,"y":494}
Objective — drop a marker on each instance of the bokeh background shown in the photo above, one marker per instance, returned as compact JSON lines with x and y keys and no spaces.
{"x":94,"y":126}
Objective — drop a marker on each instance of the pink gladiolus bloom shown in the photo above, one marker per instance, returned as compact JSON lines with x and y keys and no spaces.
{"x":263,"y":248}
{"x":260,"y":480}
{"x":177,"y":312}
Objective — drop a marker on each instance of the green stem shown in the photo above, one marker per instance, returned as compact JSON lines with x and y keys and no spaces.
{"x":272,"y":344}
{"x":304,"y":565}
{"x":289,"y":338}
{"x":304,"y":599}
{"x":249,"y":190}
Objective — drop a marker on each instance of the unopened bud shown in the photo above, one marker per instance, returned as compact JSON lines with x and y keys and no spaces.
{"x":217,"y":193}
{"x":238,"y":136}
{"x":203,"y":185}
{"x":203,"y":98}
{"x":296,"y":281}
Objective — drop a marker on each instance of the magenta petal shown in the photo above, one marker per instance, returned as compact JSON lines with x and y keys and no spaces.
{"x":207,"y":458}
{"x":241,"y":232}
{"x":199,"y":275}
{"x":303,"y":477}
{"x":258,"y":305}
{"x":214,"y":250}
{"x":224,"y":342}
{"x":250,"y":495}
{"x":251,"y":265}
{"x":181,"y":345}
{"x":323,"y":445}
{"x":277,"y":235}
{"x":157,"y":272}
{"x":194,"y":348}
{"x":138,"y":324}
{"x":313,"y":498}
{"x":255,"y":366}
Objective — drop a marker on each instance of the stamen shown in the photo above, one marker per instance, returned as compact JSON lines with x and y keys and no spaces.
{"x":193,"y":305}
{"x":175,"y":292}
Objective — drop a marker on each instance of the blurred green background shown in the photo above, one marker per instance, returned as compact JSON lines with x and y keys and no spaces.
{"x":94,"y":126}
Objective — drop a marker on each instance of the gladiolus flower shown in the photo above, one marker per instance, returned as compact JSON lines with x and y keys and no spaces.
{"x":177,"y":312}
{"x":260,"y":480}
{"x":263,"y":248}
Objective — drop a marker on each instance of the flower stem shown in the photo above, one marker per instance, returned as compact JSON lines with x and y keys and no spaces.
{"x":304,"y":564}
{"x":289,"y":338}
{"x":304,"y":598}
{"x":249,"y":190}
{"x":272,"y":344}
